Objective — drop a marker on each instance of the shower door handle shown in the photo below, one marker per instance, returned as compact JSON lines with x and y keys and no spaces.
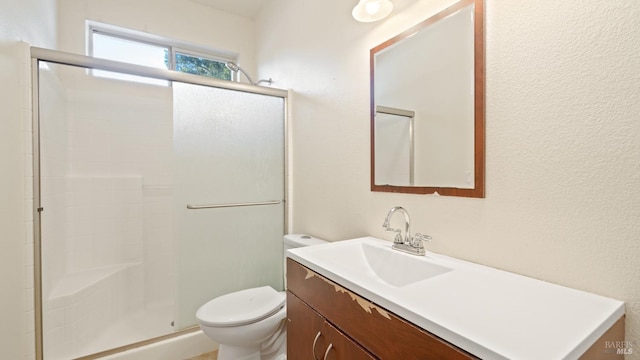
{"x":217,"y":206}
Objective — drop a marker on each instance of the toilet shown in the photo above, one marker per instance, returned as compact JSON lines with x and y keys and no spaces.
{"x":250,"y":324}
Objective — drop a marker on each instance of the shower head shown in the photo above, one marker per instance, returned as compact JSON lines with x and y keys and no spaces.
{"x":235,"y":68}
{"x":232,"y":66}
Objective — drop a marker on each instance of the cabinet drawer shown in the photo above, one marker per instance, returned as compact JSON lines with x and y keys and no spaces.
{"x":309,"y":336}
{"x":382,"y":333}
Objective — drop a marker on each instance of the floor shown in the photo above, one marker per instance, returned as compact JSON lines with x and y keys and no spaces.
{"x":208,"y":356}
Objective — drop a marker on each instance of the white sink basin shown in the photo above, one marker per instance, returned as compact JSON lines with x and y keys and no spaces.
{"x":370,"y":263}
{"x":396,"y":268}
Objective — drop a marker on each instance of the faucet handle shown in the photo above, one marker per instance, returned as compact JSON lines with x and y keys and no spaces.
{"x":398,"y":238}
{"x":418,"y":238}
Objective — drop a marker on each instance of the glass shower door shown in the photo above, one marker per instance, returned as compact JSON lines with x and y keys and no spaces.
{"x":228,"y":193}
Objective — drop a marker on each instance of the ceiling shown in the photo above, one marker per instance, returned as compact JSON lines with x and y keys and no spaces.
{"x":246,"y":8}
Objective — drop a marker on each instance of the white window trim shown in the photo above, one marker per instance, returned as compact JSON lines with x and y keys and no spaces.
{"x":173,"y":45}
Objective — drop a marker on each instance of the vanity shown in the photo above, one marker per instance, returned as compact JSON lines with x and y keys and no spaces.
{"x":359,"y":299}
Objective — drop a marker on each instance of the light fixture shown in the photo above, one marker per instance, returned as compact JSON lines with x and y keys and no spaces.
{"x":372,"y":10}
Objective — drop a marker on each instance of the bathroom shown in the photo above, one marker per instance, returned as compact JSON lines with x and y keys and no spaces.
{"x":561,"y":135}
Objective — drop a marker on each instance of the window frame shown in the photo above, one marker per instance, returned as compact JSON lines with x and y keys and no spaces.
{"x":173,"y":46}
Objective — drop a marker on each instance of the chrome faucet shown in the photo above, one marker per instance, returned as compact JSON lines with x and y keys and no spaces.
{"x":406,"y":243}
{"x":407,"y":225}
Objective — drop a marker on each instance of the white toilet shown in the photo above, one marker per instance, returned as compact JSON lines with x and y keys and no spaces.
{"x":250,"y":324}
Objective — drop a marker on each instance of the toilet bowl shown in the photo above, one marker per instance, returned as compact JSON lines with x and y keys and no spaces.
{"x":251,"y":324}
{"x":241,"y":322}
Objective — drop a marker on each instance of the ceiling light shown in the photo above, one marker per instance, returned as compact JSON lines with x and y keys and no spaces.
{"x":372,"y":10}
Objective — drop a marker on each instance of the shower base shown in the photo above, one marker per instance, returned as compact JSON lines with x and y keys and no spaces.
{"x":101,"y":309}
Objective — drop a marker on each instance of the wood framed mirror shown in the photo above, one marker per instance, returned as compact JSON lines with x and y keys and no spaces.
{"x":435,"y":72}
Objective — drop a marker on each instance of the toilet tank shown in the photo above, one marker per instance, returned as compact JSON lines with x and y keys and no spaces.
{"x":292,"y":241}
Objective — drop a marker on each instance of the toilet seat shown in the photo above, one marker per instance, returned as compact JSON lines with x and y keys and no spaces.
{"x":241,"y":307}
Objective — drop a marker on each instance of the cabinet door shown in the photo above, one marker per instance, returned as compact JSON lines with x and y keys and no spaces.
{"x":309,"y":336}
{"x":340,"y":346}
{"x":302,"y":326}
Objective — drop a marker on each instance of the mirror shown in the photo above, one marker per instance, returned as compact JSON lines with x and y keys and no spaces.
{"x":427,"y":106}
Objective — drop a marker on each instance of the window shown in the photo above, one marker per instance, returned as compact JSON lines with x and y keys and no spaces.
{"x":138,"y":48}
{"x":198,"y":65}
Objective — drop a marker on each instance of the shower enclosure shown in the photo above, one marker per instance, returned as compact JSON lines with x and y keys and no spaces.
{"x":150,"y":200}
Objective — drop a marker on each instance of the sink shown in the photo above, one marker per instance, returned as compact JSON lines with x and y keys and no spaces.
{"x":371,"y":261}
{"x":398,"y":269}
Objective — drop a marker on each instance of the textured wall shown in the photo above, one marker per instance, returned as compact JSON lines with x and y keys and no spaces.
{"x":563,"y":155}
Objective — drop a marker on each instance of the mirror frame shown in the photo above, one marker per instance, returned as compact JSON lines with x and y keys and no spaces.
{"x":478,"y":191}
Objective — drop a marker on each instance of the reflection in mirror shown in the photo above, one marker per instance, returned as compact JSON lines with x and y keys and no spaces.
{"x":428,"y":106}
{"x":394,"y":146}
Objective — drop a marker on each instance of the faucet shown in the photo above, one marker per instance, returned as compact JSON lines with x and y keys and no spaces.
{"x":407,"y":225}
{"x":408,"y":244}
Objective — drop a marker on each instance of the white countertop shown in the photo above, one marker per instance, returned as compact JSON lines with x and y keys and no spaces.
{"x":490,"y":313}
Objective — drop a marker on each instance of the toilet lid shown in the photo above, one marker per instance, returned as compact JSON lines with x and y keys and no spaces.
{"x":241,"y":307}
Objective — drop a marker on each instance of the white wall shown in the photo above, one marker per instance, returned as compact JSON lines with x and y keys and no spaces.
{"x":561,"y":203}
{"x":30,"y":21}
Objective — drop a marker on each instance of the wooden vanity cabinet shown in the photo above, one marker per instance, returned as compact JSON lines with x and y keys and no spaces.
{"x":309,"y":336}
{"x":355,"y":327}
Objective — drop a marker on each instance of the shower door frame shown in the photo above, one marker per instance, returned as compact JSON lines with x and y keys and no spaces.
{"x":64,"y":58}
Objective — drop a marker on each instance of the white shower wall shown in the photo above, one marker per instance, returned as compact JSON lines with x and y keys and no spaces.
{"x":119,"y":131}
{"x":104,"y":221}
